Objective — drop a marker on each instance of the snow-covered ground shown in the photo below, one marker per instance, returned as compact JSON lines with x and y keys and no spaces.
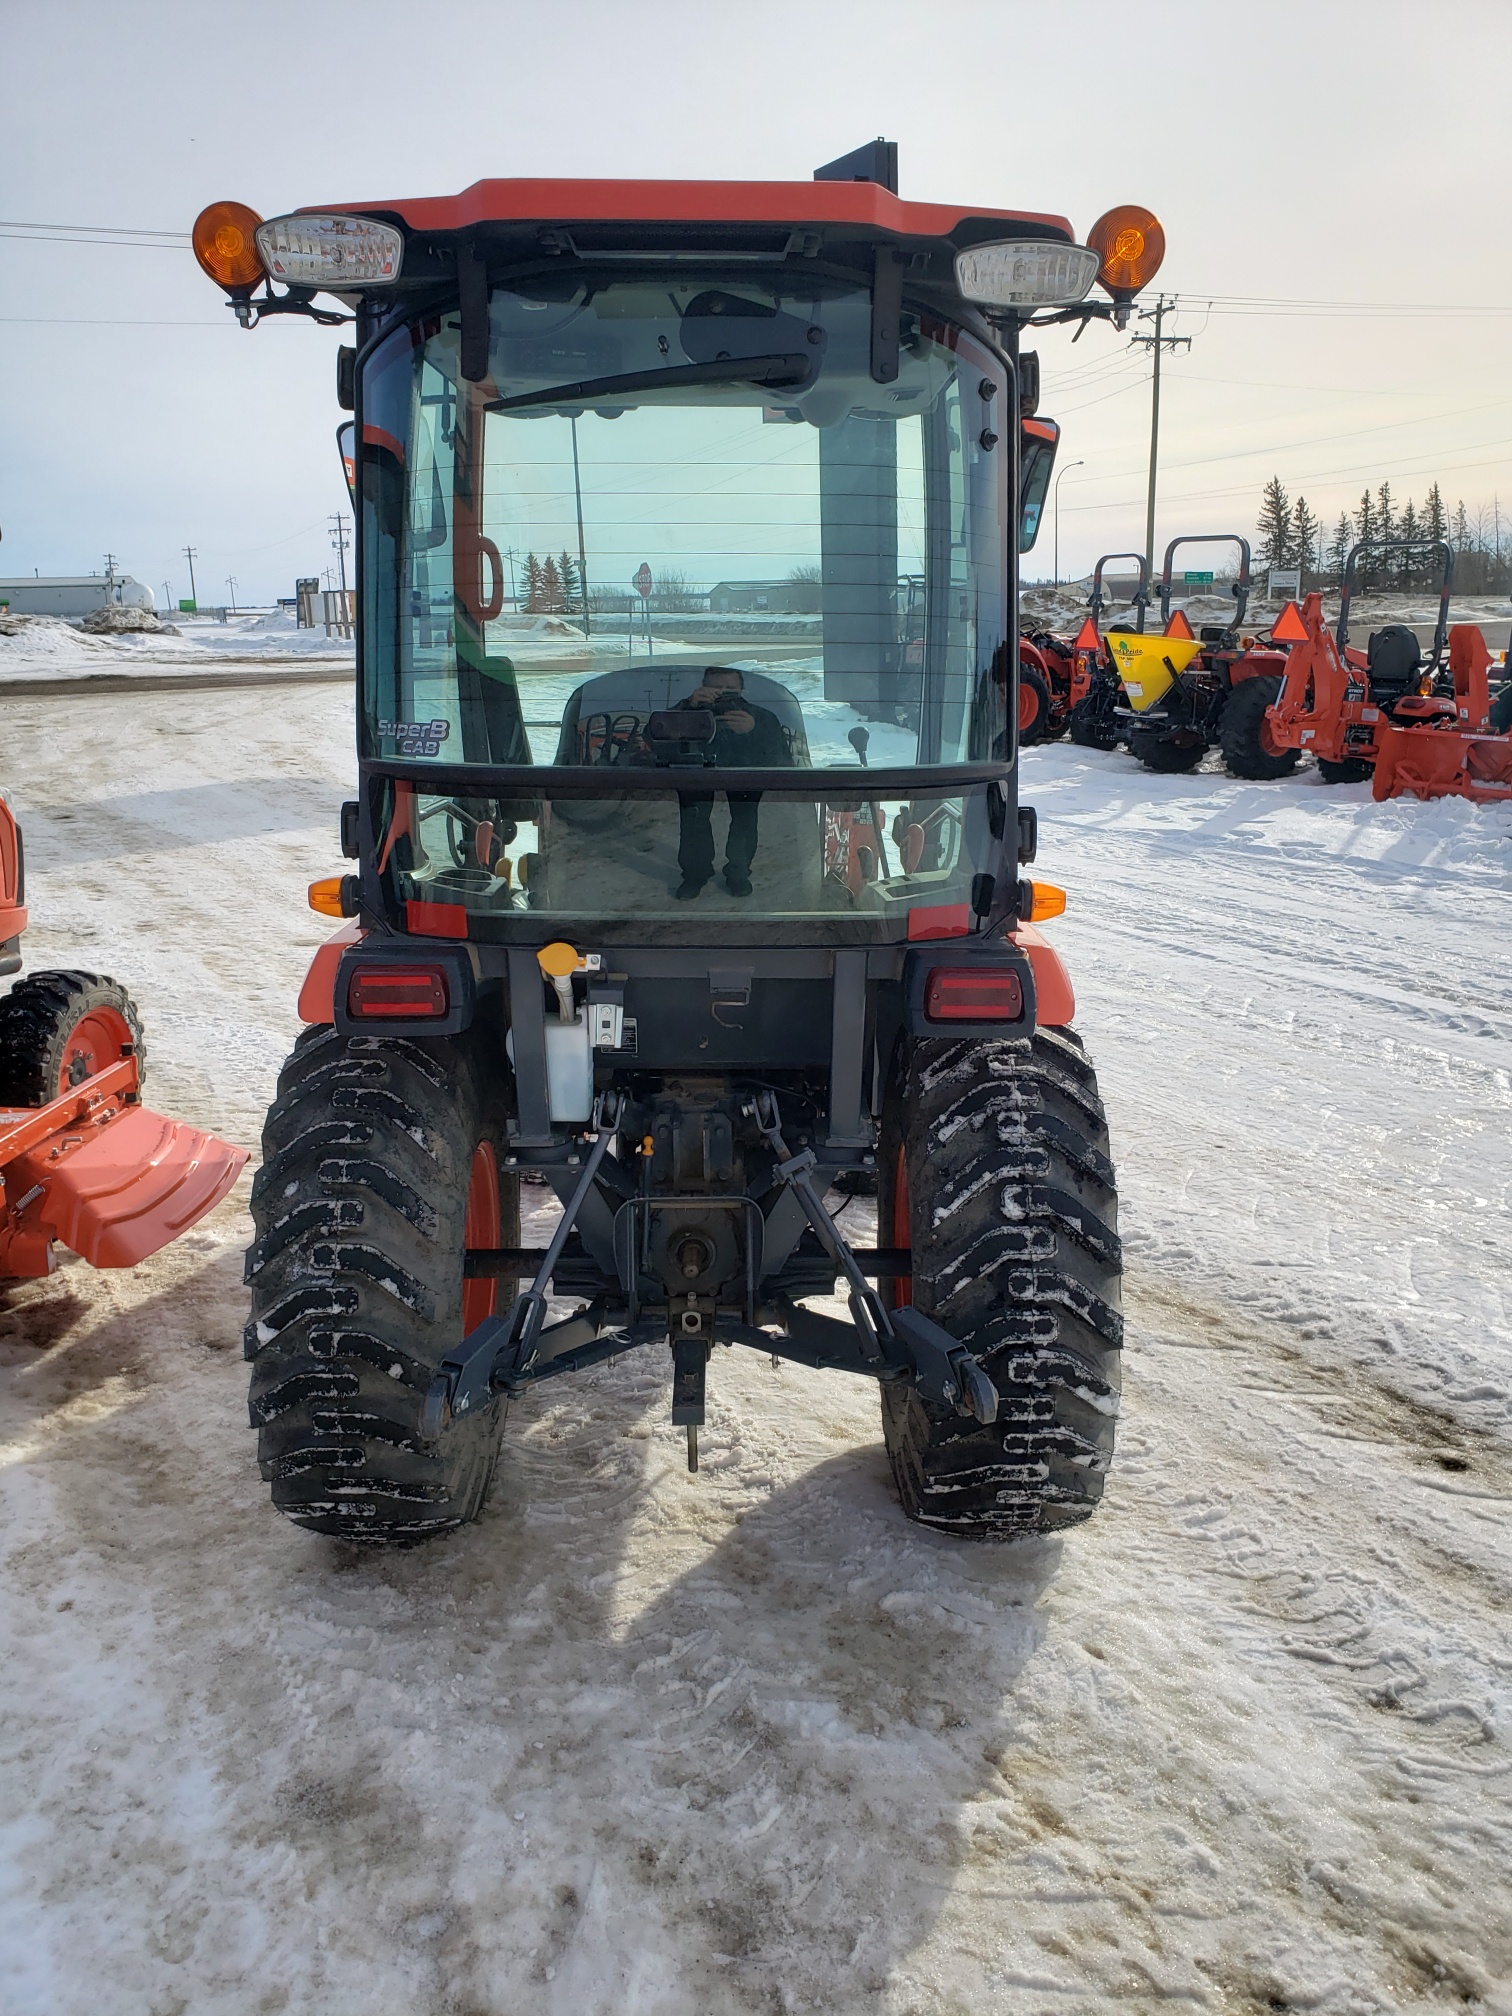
{"x":747,"y":1742}
{"x":47,"y":647}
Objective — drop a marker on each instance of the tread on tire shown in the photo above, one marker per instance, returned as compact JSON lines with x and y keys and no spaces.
{"x":1241,"y":733}
{"x":37,"y":1019}
{"x":1011,"y":1214}
{"x":356,"y":1276}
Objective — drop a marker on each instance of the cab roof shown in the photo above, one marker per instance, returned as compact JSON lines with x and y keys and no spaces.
{"x":865,"y":207}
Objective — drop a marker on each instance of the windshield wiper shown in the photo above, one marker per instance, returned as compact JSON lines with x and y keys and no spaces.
{"x":780,"y":368}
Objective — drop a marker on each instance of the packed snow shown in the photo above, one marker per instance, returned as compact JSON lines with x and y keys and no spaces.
{"x":48,"y":647}
{"x":746,"y":1741}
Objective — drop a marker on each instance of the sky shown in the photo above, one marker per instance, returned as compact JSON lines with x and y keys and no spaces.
{"x":1332,"y":178}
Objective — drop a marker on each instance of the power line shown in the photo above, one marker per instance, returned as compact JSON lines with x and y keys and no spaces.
{"x":137,"y":239}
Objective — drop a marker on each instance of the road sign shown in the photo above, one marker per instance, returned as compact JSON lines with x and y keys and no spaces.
{"x":1285,"y":583}
{"x":1198,"y":580}
{"x":643,"y":581}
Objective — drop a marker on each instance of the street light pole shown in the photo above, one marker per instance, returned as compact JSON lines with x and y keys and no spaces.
{"x":1079,"y":464}
{"x":191,"y":554}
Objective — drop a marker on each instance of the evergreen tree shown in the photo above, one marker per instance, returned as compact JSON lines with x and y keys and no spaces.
{"x":572,"y":588}
{"x":1460,"y":537}
{"x":1367,"y":527}
{"x":1305,"y":540}
{"x":552,"y":603}
{"x":1343,"y":539}
{"x":535,"y":594}
{"x":1386,"y":524}
{"x":1411,"y":563}
{"x":1273,"y":530}
{"x":1435,"y":521}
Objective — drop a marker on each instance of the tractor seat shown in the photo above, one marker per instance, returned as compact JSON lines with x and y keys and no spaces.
{"x":1395,"y":661}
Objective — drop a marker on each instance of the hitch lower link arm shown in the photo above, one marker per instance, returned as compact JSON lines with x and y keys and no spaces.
{"x":502,"y":1347}
{"x":903,"y":1339}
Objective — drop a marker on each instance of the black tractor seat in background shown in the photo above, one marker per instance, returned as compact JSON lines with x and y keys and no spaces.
{"x":1395,"y":660}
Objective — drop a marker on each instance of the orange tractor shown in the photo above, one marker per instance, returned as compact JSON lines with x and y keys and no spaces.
{"x":1429,"y":729}
{"x":83,"y":1163}
{"x":544,"y":969}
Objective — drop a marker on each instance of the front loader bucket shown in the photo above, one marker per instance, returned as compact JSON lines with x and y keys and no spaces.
{"x":135,"y":1183}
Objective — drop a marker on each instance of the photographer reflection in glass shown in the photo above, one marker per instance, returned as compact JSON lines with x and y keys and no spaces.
{"x":746,"y":737}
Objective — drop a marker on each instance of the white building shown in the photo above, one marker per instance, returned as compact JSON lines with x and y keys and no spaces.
{"x":73,"y":595}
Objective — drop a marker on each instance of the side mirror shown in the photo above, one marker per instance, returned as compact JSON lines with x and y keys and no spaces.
{"x":1038,"y":441}
{"x":346,"y":443}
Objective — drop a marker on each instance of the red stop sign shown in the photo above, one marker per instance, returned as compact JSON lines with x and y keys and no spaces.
{"x":643,"y":581}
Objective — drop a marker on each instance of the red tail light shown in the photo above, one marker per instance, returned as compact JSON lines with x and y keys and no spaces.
{"x":956,"y":994}
{"x":409,"y":991}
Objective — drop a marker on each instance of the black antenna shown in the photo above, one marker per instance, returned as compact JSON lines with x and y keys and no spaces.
{"x":877,"y":161}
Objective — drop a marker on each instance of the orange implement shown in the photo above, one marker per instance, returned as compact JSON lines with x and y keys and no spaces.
{"x":1442,"y":763}
{"x":103,"y":1176}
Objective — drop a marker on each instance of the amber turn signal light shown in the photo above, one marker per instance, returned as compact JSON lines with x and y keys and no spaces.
{"x":1130,"y":245}
{"x":334,"y":896}
{"x":1039,"y":900}
{"x":225,"y":247}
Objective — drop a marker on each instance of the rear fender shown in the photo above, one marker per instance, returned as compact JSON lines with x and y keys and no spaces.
{"x":317,"y":997}
{"x":1054,"y":997}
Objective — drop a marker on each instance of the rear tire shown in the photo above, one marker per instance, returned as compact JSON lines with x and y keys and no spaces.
{"x":1350,"y":771}
{"x":58,"y":1029}
{"x":995,"y":1171}
{"x":1034,"y":706}
{"x":1243,"y":735}
{"x":1157,"y":751}
{"x":369,"y":1191}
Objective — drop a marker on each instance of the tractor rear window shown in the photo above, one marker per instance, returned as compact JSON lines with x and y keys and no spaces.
{"x":679,"y":526}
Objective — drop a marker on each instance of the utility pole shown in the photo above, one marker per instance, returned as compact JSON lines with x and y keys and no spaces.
{"x":339,"y":540}
{"x":1157,"y":343}
{"x":191,"y":554}
{"x":231,"y":584}
{"x":1070,"y":465}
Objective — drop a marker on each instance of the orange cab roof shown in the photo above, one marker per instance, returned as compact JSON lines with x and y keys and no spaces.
{"x":866,"y":205}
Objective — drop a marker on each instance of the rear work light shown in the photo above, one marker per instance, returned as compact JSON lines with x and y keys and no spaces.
{"x":1031,"y":274}
{"x":414,"y":992}
{"x":332,"y":252}
{"x":958,"y":994}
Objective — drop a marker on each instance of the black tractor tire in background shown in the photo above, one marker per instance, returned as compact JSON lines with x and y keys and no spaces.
{"x":994,"y":1171}
{"x":1350,"y":771}
{"x":372,"y":1152}
{"x":1158,"y":750}
{"x":1242,"y":735}
{"x":1093,"y":725}
{"x":58,"y":1029}
{"x":1034,"y":725}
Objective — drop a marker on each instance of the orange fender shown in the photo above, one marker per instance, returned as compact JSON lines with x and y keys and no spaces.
{"x":317,"y":997}
{"x":1054,"y":997}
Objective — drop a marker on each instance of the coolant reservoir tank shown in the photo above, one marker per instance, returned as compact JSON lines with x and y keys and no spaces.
{"x":569,"y":1069}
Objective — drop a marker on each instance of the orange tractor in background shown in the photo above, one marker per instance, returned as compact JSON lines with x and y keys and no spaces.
{"x":1429,"y":729}
{"x":83,"y":1163}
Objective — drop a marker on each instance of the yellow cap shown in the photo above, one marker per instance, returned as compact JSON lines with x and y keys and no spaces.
{"x":558,"y":960}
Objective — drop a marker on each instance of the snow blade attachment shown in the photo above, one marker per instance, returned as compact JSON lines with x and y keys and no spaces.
{"x":110,"y":1180}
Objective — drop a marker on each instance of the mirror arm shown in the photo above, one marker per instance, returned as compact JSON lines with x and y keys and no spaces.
{"x":250,"y":310}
